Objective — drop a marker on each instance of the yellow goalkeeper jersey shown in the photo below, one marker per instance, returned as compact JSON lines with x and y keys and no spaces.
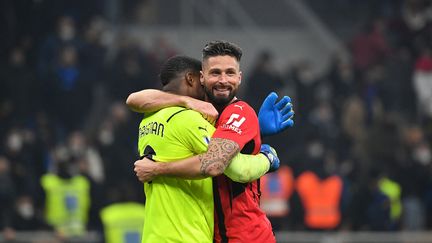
{"x":176,"y":210}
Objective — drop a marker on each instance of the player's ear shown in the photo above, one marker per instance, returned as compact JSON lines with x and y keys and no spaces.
{"x":189,"y":78}
{"x":201,"y":78}
{"x":240,"y":77}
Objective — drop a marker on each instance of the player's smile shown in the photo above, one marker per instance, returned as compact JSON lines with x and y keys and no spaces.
{"x":222,"y":90}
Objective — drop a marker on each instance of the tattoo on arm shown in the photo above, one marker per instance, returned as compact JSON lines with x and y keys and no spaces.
{"x":219,"y":154}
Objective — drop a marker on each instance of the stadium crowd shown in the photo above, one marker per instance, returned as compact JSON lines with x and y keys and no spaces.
{"x":368,"y":117}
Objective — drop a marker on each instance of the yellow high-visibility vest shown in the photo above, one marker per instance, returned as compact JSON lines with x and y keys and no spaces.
{"x":393,"y":191}
{"x":67,"y":203}
{"x":123,"y":222}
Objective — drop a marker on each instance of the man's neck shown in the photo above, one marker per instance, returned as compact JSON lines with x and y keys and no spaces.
{"x":221,"y":107}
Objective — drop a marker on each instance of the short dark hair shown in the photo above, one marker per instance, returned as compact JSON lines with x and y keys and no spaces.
{"x":221,"y":48}
{"x":176,"y":65}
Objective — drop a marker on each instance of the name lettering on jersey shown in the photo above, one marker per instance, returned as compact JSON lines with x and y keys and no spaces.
{"x":152,"y":128}
{"x":234,"y":123}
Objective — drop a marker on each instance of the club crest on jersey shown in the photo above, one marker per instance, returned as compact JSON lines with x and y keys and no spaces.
{"x":234,"y":123}
{"x":206,"y":140}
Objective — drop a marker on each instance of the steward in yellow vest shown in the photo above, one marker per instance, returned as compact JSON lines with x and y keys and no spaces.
{"x":67,"y":203}
{"x":123,"y":222}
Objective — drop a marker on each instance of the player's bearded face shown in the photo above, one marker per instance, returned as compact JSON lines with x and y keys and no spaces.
{"x":221,"y":77}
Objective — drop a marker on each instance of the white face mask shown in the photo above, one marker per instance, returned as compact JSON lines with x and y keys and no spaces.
{"x":26,"y":210}
{"x":106,"y":137}
{"x":77,"y":149}
{"x":67,"y":32}
{"x":14,"y":142}
{"x":315,"y":150}
{"x":423,"y":155}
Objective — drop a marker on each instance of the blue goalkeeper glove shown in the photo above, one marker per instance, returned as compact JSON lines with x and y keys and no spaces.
{"x":274,"y":117}
{"x":271,"y":155}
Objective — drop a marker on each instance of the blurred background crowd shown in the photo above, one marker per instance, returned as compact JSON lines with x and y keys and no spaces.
{"x":362,"y":133}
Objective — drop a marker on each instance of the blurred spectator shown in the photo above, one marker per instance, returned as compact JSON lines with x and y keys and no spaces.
{"x":26,"y":215}
{"x":89,"y":164}
{"x":370,"y":47}
{"x":343,"y":81}
{"x":117,"y":145}
{"x":79,"y":148}
{"x":19,"y":87}
{"x":383,"y":132}
{"x":413,"y":217}
{"x":276,"y":189}
{"x":322,"y":117}
{"x":397,"y":83}
{"x":66,"y":35}
{"x":305,"y":81}
{"x":423,"y":83}
{"x":132,"y":70}
{"x":370,"y":207}
{"x":371,"y":92}
{"x":353,"y":121}
{"x":392,"y":190}
{"x":378,"y":211}
{"x":63,"y":85}
{"x":123,"y":218}
{"x":321,"y":200}
{"x":262,"y":80}
{"x":123,"y":222}
{"x":161,"y":50}
{"x":67,"y":200}
{"x":416,"y":14}
{"x":319,"y":189}
{"x":94,"y":51}
{"x":21,"y":167}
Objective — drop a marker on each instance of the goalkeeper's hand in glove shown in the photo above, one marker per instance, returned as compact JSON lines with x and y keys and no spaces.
{"x":271,"y":155}
{"x":274,"y":117}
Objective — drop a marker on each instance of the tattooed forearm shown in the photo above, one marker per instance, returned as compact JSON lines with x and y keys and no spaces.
{"x":219,"y":154}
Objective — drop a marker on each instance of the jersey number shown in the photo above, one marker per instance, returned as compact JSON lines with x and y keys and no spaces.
{"x":148,"y":153}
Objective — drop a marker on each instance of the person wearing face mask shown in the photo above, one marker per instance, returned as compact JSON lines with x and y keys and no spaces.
{"x":25,"y":215}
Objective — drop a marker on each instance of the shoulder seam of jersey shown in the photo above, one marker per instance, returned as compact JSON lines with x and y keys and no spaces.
{"x":175,"y":113}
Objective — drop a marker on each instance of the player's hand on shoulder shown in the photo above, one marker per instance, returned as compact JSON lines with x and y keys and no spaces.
{"x":272,"y":156}
{"x":145,"y":169}
{"x":275,"y":116}
{"x":207,"y":110}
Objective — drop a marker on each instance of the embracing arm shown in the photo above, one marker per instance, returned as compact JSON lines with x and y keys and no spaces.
{"x":150,"y":100}
{"x":246,"y":168}
{"x":217,"y":160}
{"x":211,"y":163}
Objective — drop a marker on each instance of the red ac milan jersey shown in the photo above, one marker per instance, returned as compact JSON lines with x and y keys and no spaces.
{"x":237,"y":212}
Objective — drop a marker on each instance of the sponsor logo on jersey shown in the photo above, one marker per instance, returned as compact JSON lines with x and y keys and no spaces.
{"x":239,"y":106}
{"x":234,"y":123}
